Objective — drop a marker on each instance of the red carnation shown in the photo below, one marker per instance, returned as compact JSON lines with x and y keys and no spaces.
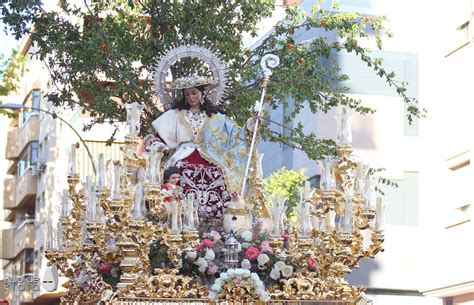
{"x":104,"y":268}
{"x":311,"y":263}
{"x":207,"y":243}
{"x":252,"y":253}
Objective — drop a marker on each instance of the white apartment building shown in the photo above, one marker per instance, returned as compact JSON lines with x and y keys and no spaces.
{"x":37,"y":152}
{"x":427,"y":258}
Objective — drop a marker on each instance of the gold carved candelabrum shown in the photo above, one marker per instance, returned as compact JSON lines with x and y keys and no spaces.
{"x":111,"y":226}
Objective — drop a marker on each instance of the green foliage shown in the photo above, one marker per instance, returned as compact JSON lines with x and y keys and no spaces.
{"x":285,"y":182}
{"x":92,"y":48}
{"x":381,"y":180}
{"x":11,"y":69}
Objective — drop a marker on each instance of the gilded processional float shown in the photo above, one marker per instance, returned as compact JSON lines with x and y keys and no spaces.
{"x":185,"y":217}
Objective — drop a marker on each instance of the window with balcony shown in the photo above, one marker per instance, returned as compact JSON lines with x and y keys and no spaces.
{"x":31,"y":106}
{"x":28,"y":158}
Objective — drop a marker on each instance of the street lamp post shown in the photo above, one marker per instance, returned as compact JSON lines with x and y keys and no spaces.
{"x":13,"y":106}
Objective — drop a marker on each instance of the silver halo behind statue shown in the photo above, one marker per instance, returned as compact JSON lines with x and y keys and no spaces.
{"x":217,"y":68}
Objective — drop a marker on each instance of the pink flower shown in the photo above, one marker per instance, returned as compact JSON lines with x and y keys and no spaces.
{"x":311,"y":263}
{"x":207,"y":243}
{"x":104,"y":268}
{"x":265,"y":247}
{"x":211,"y":268}
{"x":215,"y":235}
{"x":285,"y":236}
{"x":198,"y":248}
{"x":252,"y":253}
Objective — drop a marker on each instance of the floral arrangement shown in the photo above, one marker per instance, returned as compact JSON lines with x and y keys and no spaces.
{"x":256,"y":255}
{"x":239,"y":278}
{"x":204,"y":260}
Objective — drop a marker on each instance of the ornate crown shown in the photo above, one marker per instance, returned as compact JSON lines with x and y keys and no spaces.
{"x":193,"y":81}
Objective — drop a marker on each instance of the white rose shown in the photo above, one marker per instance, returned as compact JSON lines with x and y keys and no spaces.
{"x":216,"y":287}
{"x":224,"y":276}
{"x":210,"y":255}
{"x":245,"y":272}
{"x":239,"y":271}
{"x":191,"y":255}
{"x":287,"y":271}
{"x":212,"y":295}
{"x":246,"y":245}
{"x":264,"y":296}
{"x":262,"y":259}
{"x":246,"y":235}
{"x":201,"y":262}
{"x":279,"y":265}
{"x":275,"y":274}
{"x":256,"y":279}
{"x":246,"y":264}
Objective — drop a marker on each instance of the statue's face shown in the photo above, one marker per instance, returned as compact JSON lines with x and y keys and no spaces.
{"x":192,"y":96}
{"x":174,"y":178}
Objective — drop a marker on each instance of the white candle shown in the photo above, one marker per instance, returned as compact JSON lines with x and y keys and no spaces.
{"x":369,"y":192}
{"x":347,"y":220}
{"x":101,"y":177}
{"x":276,"y":215}
{"x":380,"y":215}
{"x":331,"y":220}
{"x":88,"y":183}
{"x":137,"y":212}
{"x":152,"y":170}
{"x":116,"y":194}
{"x":359,"y":178}
{"x":72,"y":160}
{"x":304,"y":219}
{"x":174,"y":217}
{"x":91,"y":210}
{"x":49,"y":235}
{"x":65,"y":204}
{"x":315,"y":222}
{"x":59,"y":235}
{"x":307,"y":190}
{"x":190,"y":212}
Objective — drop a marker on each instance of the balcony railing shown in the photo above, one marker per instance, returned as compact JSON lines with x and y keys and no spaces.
{"x":24,"y":236}
{"x":28,"y":132}
{"x":26,"y":187}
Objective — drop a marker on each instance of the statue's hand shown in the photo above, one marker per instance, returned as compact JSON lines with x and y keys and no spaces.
{"x":252,"y":122}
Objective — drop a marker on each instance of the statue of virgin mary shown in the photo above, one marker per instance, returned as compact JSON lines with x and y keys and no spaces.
{"x":208,"y":148}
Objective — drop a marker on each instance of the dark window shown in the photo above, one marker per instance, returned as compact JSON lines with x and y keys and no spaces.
{"x":29,"y":260}
{"x":314,"y":181}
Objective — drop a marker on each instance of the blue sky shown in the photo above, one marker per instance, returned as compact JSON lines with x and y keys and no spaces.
{"x":7,"y":42}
